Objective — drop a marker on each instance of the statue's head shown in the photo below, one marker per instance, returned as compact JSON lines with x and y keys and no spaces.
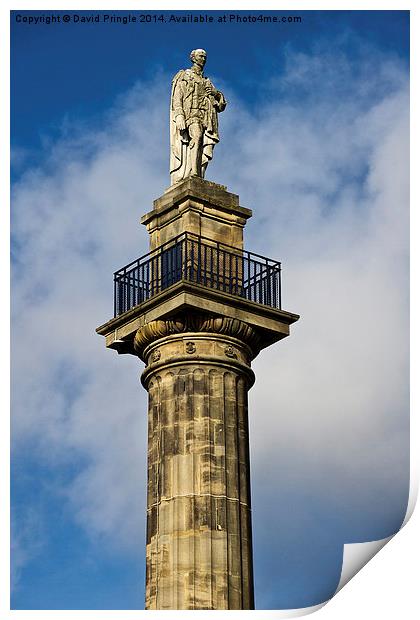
{"x":199,"y":57}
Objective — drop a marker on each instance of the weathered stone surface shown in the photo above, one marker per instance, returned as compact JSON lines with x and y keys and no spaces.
{"x":199,"y":548}
{"x":199,"y":207}
{"x":270,"y":324}
{"x":197,"y":322}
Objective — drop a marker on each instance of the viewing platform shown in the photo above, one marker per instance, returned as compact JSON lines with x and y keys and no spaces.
{"x":198,"y":260}
{"x":197,"y":264}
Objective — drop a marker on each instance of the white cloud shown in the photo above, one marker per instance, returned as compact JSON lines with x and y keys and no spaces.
{"x":329,"y":188}
{"x":27,"y":539}
{"x":327,"y":179}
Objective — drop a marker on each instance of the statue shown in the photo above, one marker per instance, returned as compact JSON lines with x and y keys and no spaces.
{"x":195,"y":103}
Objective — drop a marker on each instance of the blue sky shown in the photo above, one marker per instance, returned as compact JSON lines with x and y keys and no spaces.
{"x":314,"y":140}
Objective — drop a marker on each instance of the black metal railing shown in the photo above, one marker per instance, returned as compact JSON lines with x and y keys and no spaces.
{"x":202,"y":261}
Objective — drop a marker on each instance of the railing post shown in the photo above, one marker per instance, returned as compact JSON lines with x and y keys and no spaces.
{"x":115,"y":297}
{"x":185,"y":267}
{"x":280,"y":286}
{"x":198,"y":277}
{"x":274,"y":287}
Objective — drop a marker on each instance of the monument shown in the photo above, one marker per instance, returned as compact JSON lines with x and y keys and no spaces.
{"x":197,"y":309}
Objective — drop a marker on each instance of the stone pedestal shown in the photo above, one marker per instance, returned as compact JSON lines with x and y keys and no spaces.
{"x":197,"y":342}
{"x":199,"y":207}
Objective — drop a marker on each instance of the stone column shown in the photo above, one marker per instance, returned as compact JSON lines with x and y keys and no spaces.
{"x":199,"y":545}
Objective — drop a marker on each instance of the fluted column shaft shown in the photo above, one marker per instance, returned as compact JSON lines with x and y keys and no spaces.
{"x":199,"y":547}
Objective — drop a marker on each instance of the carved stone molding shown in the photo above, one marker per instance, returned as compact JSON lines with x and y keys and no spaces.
{"x":230,"y":352}
{"x":156,"y":355}
{"x":190,"y":347}
{"x":195,"y":322}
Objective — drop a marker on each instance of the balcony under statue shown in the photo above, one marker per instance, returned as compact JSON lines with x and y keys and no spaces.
{"x":196,"y":310}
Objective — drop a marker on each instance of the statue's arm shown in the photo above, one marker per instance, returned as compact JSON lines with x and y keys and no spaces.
{"x":219,"y":99}
{"x":221,"y":102}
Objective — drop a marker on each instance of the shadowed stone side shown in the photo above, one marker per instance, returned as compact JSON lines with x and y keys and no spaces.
{"x":199,"y":548}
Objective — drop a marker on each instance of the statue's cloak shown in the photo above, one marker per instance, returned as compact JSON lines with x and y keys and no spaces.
{"x":179,"y":140}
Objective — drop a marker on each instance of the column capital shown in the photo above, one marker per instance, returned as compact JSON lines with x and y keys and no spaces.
{"x":184,"y":323}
